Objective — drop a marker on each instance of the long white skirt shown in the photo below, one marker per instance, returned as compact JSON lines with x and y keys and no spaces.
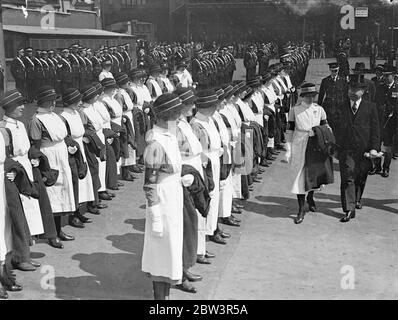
{"x":299,"y":146}
{"x":61,"y":193}
{"x":162,"y":257}
{"x":31,"y":206}
{"x":226,"y":195}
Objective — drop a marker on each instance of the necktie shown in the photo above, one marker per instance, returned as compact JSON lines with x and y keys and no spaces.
{"x":354,"y":108}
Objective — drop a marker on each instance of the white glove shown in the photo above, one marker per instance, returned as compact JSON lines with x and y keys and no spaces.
{"x":373,"y":153}
{"x":311,"y":133}
{"x":266,"y":117}
{"x":35,"y":163}
{"x":157,"y":223}
{"x":187,"y":180}
{"x":72,"y":150}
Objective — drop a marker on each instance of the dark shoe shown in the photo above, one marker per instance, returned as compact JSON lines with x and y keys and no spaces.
{"x":270,"y":158}
{"x":300,"y":218}
{"x":24,"y":266}
{"x":111,"y":194}
{"x":35,"y":263}
{"x":210,"y":255}
{"x":280,"y":148}
{"x":218,"y":239}
{"x":129,"y":177}
{"x":274,"y":153}
{"x":236,"y":210}
{"x":239,"y":206}
{"x":265,"y":164}
{"x":251,"y":188}
{"x":14,"y":288}
{"x":385,"y":174}
{"x":65,"y":237}
{"x":192,"y":277}
{"x":102,"y":206}
{"x":93,"y":210}
{"x":257,"y":180}
{"x":56,"y":243}
{"x":224,"y":235}
{"x":261,"y":171}
{"x":186,"y":287}
{"x":76,"y":223}
{"x":136,"y":169}
{"x":375,"y":171}
{"x":202,"y":260}
{"x":358,"y":205}
{"x":83,"y":219}
{"x":235,"y":219}
{"x":104,"y":196}
{"x":113,"y":189}
{"x":350,"y":215}
{"x":230,"y":222}
{"x":120,"y":184}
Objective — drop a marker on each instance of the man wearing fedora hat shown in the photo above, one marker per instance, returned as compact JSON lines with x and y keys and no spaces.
{"x":358,"y":134}
{"x":370,"y":91}
{"x":333,"y":94}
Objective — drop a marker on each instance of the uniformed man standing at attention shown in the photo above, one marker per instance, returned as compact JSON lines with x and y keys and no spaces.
{"x":333,"y":95}
{"x":250,"y":63}
{"x":30,"y":73}
{"x":389,"y":122}
{"x":18,"y":71}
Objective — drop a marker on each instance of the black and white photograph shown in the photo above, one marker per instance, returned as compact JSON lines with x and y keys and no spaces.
{"x":218,"y":151}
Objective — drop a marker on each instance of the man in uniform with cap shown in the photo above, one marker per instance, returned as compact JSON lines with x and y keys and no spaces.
{"x":333,"y":95}
{"x":389,"y":122}
{"x":52,"y":73}
{"x":39,"y":73}
{"x":18,"y":71}
{"x":127,"y":58}
{"x":250,"y":63}
{"x":75,"y":64}
{"x":46,"y":68}
{"x":358,"y":135}
{"x":30,"y":73}
{"x":96,"y":61}
{"x":65,"y":71}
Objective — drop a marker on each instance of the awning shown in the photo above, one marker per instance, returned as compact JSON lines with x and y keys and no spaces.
{"x":64,"y":31}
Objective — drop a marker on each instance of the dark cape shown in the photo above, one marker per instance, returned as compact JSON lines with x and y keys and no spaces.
{"x":196,"y":197}
{"x":21,"y":238}
{"x":318,"y":158}
{"x":44,"y":202}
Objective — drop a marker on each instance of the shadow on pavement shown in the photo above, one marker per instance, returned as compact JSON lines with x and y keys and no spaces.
{"x":138,"y":224}
{"x":367,"y":202}
{"x":113,"y":275}
{"x":281,"y":207}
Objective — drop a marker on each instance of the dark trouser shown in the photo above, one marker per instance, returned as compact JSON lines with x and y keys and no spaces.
{"x":21,"y":239}
{"x":111,"y":167}
{"x":354,"y":168}
{"x":20,"y":85}
{"x":250,"y":73}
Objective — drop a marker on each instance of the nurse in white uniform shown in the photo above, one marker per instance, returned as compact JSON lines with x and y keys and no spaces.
{"x":302,"y":118}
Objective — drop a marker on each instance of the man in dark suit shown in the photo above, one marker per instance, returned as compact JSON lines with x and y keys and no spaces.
{"x":250,"y":62}
{"x":333,"y":95}
{"x":370,"y":92}
{"x":359,"y":133}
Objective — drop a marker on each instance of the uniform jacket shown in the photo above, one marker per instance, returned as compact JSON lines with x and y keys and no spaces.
{"x":18,"y":69}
